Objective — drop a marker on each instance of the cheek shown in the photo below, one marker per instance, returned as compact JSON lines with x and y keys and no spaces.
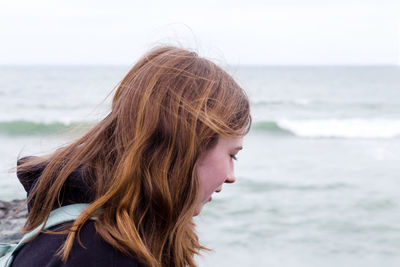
{"x":213,"y":175}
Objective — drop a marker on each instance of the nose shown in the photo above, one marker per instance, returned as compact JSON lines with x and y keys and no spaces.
{"x":231,"y":179}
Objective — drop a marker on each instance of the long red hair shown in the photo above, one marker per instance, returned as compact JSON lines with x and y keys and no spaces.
{"x":141,"y":158}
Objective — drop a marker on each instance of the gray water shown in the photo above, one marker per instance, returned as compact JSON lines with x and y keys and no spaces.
{"x":317,"y":181}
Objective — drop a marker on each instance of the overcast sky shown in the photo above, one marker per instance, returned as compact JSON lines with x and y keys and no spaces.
{"x":281,"y":32}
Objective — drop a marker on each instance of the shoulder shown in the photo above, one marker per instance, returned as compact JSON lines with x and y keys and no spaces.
{"x":28,"y":177}
{"x":93,"y":251}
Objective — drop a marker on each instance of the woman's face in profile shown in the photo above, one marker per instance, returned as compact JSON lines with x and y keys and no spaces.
{"x":216,"y":166}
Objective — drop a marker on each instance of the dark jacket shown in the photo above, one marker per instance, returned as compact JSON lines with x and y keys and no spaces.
{"x":41,"y":252}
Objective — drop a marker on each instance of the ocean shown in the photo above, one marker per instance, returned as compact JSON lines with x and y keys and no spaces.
{"x":317,"y":181}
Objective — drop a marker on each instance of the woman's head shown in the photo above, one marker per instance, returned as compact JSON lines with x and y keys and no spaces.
{"x":154,"y":159}
{"x":172,"y":107}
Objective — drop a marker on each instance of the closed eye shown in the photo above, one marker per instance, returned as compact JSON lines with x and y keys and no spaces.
{"x":234,"y":157}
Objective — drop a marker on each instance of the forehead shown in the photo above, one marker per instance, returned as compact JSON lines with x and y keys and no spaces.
{"x":223,"y":146}
{"x":230,"y":142}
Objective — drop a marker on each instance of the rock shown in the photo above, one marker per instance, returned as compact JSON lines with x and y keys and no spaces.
{"x":12,"y":218}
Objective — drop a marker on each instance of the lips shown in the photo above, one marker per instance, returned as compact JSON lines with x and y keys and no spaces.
{"x":218,"y":189}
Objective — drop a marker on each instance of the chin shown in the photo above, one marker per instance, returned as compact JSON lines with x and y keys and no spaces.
{"x":198,"y":210}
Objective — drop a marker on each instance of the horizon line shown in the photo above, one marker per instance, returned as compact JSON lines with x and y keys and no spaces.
{"x":255,"y":65}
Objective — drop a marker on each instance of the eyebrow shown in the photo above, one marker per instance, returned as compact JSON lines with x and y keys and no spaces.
{"x":239,"y":148}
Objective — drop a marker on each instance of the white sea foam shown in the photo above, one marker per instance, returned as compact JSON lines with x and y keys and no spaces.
{"x":344,"y":128}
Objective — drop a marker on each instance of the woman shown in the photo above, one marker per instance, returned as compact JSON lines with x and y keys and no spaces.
{"x":176,"y":124}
